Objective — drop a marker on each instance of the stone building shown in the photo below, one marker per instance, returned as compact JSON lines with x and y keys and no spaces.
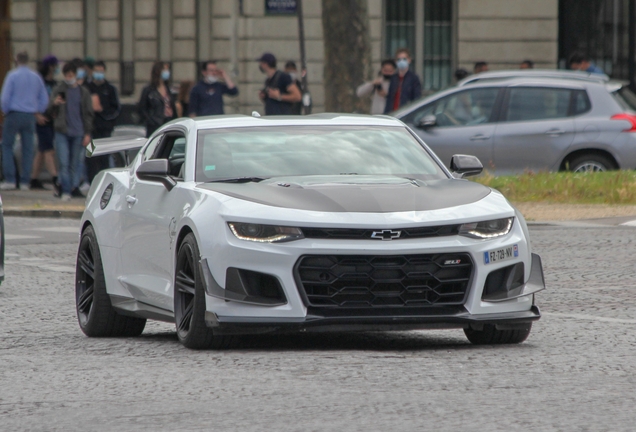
{"x":130,"y":34}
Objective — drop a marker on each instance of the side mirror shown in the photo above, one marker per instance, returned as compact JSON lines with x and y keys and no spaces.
{"x":156,"y":170}
{"x":428,"y":121}
{"x":465,"y":166}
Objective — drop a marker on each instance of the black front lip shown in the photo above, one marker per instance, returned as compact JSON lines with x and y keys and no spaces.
{"x":318,"y":323}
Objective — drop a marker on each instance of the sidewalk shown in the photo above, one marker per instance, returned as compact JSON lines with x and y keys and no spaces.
{"x":40,"y":203}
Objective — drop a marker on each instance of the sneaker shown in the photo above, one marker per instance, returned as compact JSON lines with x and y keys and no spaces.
{"x":36,"y":184}
{"x":84,"y":187}
{"x":66,"y":197}
{"x":25,"y":187}
{"x":7,"y":186}
{"x":77,"y":193}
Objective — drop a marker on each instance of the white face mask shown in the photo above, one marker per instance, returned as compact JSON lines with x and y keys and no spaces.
{"x":70,"y":82}
{"x":293,"y":75}
{"x":211,"y":79}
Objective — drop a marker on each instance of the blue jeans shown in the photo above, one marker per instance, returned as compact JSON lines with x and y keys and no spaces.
{"x":69,"y":151}
{"x":23,"y":124}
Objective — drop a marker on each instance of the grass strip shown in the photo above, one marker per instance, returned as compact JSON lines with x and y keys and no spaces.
{"x":613,"y":187}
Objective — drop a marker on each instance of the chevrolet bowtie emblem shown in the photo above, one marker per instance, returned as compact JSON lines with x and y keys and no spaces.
{"x":386,"y":235}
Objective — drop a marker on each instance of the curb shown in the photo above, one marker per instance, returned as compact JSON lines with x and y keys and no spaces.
{"x":44,"y":213}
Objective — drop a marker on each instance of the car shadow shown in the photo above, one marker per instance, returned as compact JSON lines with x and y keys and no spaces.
{"x":358,"y":341}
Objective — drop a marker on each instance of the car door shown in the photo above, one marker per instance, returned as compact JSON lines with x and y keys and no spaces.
{"x":149,"y":224}
{"x":535,"y":128}
{"x":463,"y":123}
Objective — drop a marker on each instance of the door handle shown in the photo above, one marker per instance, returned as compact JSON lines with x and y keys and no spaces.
{"x":479,"y":137}
{"x":131,"y":200}
{"x":555,"y":132}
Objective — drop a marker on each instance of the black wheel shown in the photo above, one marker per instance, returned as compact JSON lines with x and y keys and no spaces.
{"x":591,"y":162}
{"x":491,"y":336}
{"x":95,"y":313}
{"x":189,"y":301}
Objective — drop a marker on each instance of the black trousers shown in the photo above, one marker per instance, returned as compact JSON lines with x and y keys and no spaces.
{"x":98,"y":163}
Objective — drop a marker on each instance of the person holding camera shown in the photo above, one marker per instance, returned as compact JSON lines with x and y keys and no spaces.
{"x":280,"y":92}
{"x":71,"y":107}
{"x":206,"y":98}
{"x":378,"y":88}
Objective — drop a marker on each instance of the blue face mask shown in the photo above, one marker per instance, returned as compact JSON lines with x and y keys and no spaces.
{"x":165,"y":75}
{"x":81,"y":73}
{"x":98,"y":76}
{"x":402,"y":63}
{"x":57,"y":71}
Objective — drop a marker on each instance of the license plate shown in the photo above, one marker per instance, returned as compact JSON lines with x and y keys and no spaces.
{"x":503,"y":254}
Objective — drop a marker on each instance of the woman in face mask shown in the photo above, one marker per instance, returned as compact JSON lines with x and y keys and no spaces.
{"x":378,"y":88}
{"x":157,"y":104}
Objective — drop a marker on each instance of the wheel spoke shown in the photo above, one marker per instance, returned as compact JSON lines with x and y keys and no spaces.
{"x":85,"y":300}
{"x":185,"y":283}
{"x":184,"y":322}
{"x":86,"y":264}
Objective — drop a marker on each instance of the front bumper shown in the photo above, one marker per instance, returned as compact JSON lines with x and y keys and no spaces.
{"x":448,"y":319}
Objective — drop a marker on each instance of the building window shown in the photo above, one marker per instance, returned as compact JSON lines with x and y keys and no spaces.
{"x":425,"y":27}
{"x":399,"y":26}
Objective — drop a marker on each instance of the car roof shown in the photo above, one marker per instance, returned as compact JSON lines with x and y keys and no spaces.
{"x":534,"y":73}
{"x":325,"y":119}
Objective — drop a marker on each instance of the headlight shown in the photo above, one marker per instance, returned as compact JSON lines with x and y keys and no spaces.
{"x":264,"y":233}
{"x":488,"y":229}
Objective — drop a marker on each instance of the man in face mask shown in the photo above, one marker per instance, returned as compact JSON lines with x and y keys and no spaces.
{"x":206,"y":98}
{"x":107,"y":108}
{"x":71,"y":107}
{"x":405,"y":85}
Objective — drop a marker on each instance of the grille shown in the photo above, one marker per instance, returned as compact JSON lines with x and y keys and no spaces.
{"x":368,"y":281}
{"x":365,"y":234}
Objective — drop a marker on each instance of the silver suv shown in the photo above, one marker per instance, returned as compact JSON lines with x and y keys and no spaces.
{"x":516,"y":123}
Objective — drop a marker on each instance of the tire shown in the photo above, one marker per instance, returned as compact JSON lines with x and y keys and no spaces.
{"x":591,"y":162}
{"x":95,"y":313}
{"x":189,"y":301}
{"x":491,"y":336}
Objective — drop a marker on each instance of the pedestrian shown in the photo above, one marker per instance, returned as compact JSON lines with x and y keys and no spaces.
{"x":379,"y":87}
{"x":292,"y":71}
{"x":206,"y":98}
{"x":526,"y":64}
{"x":23,"y":96}
{"x":71,"y":108}
{"x":44,"y":129}
{"x":89,"y":65}
{"x":157,"y":104}
{"x":183,"y":98}
{"x":460,"y":74}
{"x":581,"y":62}
{"x":405,"y":85}
{"x":107,"y":108}
{"x":80,"y":75}
{"x":480,"y":66}
{"x":280,"y":92}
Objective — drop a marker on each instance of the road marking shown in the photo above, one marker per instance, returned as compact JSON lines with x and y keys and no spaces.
{"x":73,"y":230}
{"x":630,"y":223}
{"x":590,"y":317}
{"x":19,"y":237}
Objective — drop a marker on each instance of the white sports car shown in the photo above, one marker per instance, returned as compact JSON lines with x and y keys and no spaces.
{"x":234,"y":224}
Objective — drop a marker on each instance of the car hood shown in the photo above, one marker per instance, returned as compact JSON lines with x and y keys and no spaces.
{"x":359,"y":194}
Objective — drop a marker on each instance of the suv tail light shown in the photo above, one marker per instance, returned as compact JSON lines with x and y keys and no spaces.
{"x":631,"y":118}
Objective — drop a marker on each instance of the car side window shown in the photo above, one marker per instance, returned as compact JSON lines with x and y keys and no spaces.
{"x":173,"y":148}
{"x":464,"y":108}
{"x":537,"y":103}
{"x":151,"y":148}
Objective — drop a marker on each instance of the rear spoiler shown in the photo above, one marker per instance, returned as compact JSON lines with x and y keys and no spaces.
{"x":104,"y":146}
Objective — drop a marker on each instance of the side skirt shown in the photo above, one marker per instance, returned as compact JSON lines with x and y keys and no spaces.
{"x":131,"y":307}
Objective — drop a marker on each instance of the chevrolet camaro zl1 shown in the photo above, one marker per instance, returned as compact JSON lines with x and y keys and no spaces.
{"x":234,"y":225}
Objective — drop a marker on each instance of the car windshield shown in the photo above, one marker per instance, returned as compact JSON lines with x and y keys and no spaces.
{"x":625,"y":98}
{"x":264,"y":152}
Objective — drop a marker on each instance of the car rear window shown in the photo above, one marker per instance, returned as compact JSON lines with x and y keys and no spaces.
{"x":625,"y":98}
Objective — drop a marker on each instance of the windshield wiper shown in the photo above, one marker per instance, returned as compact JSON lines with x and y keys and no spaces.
{"x":239,"y":180}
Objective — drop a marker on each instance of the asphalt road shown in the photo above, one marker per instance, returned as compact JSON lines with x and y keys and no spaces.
{"x":577,"y":371}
